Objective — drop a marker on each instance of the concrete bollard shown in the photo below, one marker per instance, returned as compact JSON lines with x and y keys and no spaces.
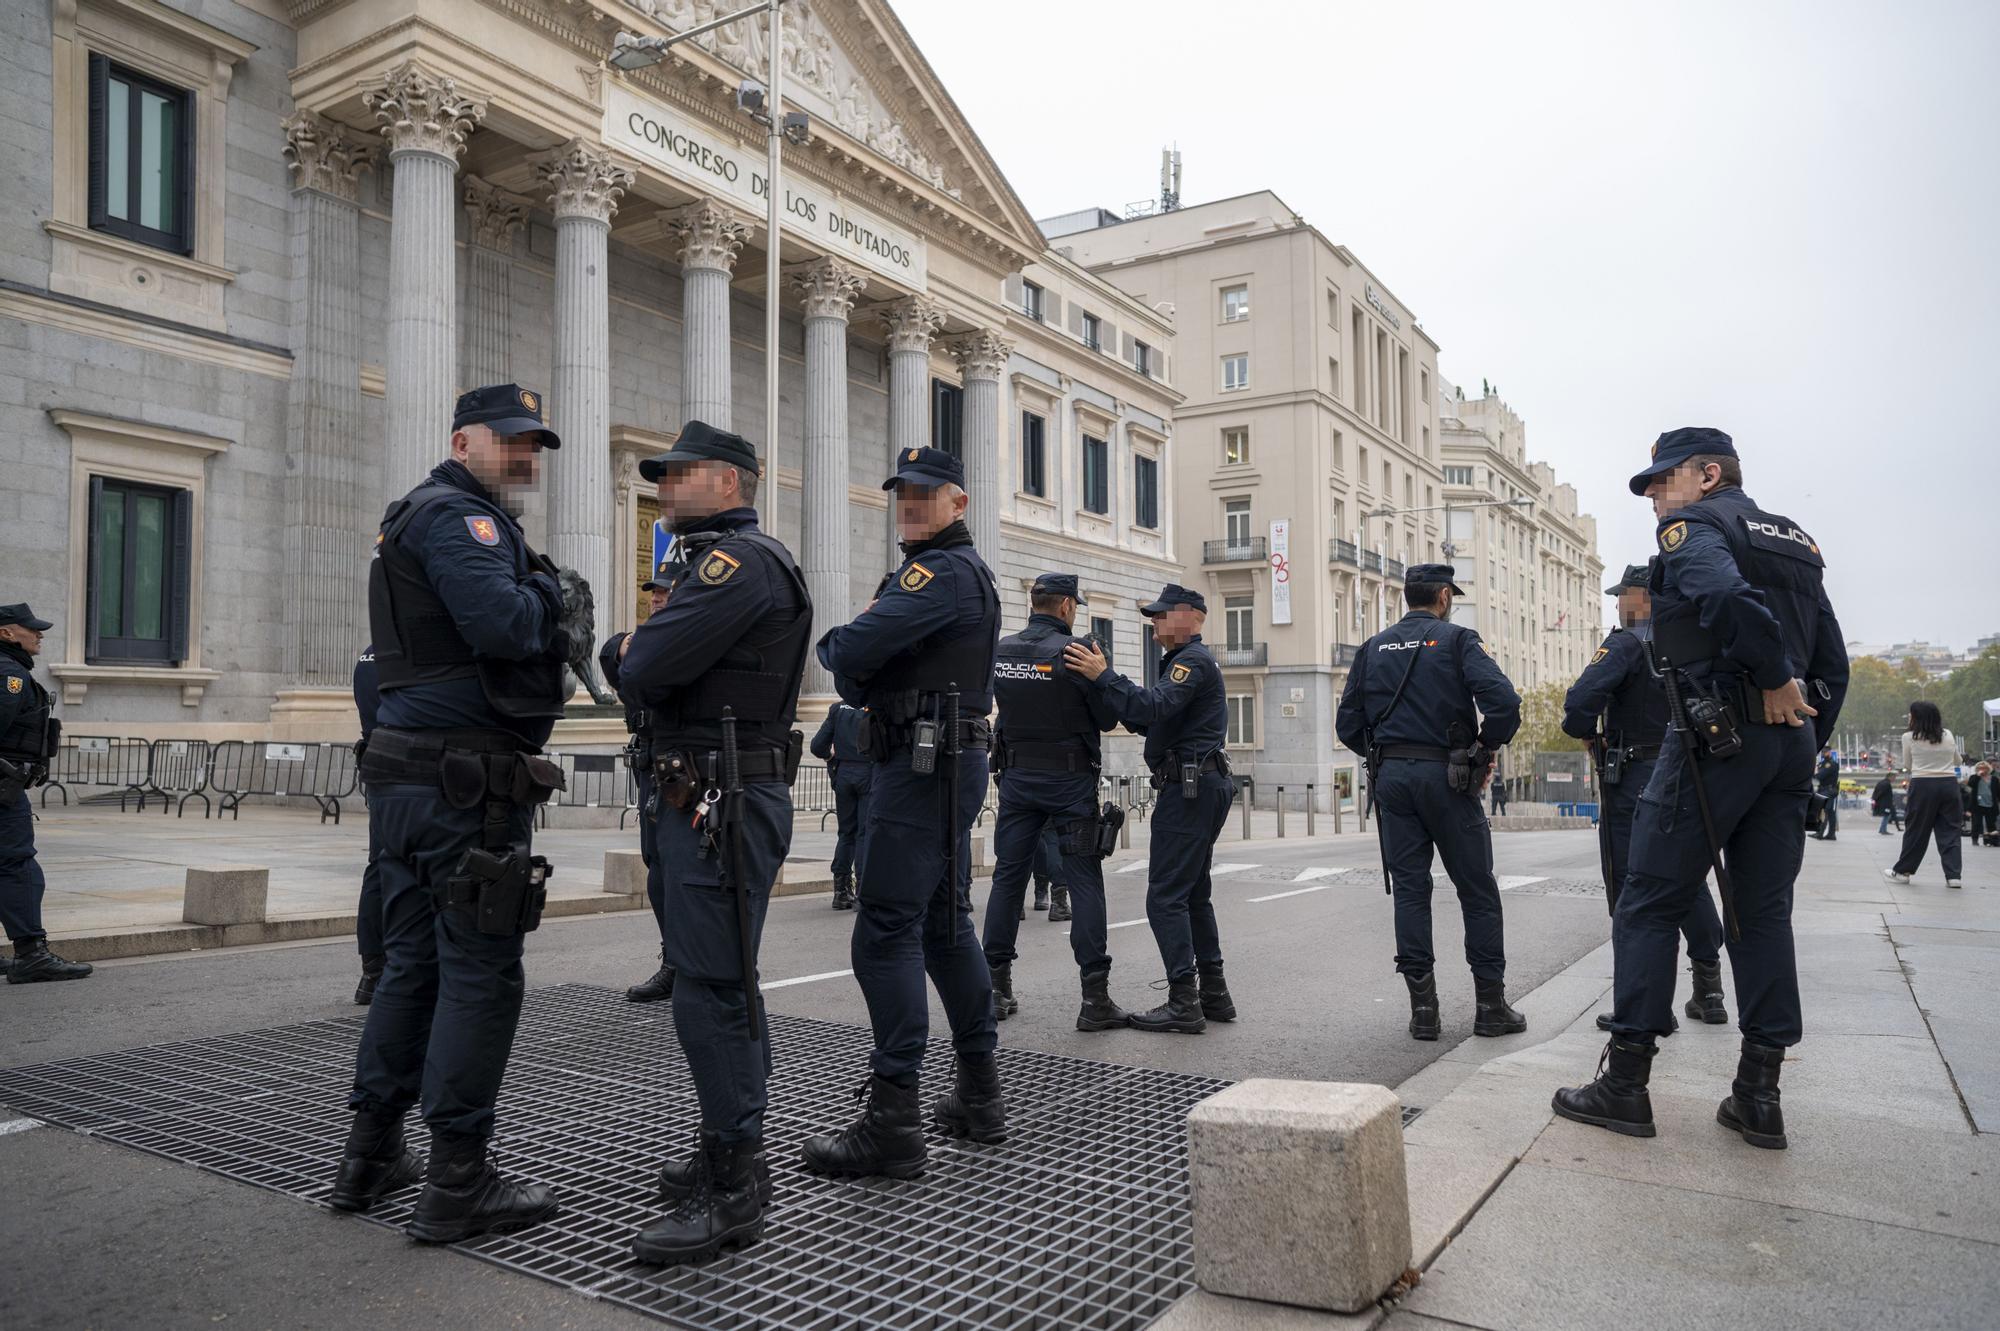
{"x":226,"y":894}
{"x":1248,"y":794}
{"x":624,"y":873}
{"x":1335,"y":801}
{"x":1281,"y":813}
{"x":1309,"y":809}
{"x":1298,"y":1193}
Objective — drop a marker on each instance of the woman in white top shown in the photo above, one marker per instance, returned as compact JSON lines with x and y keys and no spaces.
{"x":1930,"y":760}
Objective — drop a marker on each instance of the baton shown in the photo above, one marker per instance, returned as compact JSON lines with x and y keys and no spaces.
{"x":1677,"y":713}
{"x":951,"y":751}
{"x":732,"y":860}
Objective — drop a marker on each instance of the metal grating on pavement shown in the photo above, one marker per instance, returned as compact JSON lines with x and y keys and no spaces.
{"x":1080,"y":1220}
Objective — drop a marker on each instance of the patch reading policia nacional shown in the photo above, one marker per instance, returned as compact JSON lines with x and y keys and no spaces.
{"x":915,"y":578}
{"x":482,"y":529}
{"x":718,"y":568}
{"x":1181,"y":674}
{"x":1671,"y":538}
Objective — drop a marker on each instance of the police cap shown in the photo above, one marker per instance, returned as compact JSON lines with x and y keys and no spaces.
{"x":18,"y":613}
{"x":701,"y":442}
{"x":927,"y":467}
{"x":504,"y":409}
{"x":1437,"y":573}
{"x":1059,"y":584}
{"x":1677,"y":446}
{"x":1172,"y":595}
{"x":1636,"y":575}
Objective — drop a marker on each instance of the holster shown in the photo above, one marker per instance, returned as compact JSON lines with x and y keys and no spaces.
{"x":13,"y":780}
{"x":1613,"y":770}
{"x":1110,"y":821}
{"x":675,"y":779}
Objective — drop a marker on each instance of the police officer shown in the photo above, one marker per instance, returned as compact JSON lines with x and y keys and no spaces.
{"x":840,"y":744}
{"x":1408,"y":708}
{"x":469,"y":658}
{"x":719,"y":665}
{"x":368,"y":913}
{"x":1619,"y":686}
{"x":639,"y":753}
{"x":28,"y":739}
{"x":1185,"y":719}
{"x":920,"y":656}
{"x":1741,"y":614}
{"x":1048,"y":750}
{"x":1050,"y":892}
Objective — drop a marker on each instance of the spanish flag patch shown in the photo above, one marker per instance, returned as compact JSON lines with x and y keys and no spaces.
{"x":1181,"y":674}
{"x":718,"y":568}
{"x":1672,"y":538}
{"x":915,"y":578}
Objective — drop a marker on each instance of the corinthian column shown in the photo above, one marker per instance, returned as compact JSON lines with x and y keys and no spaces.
{"x":425,"y":119}
{"x":493,"y":218}
{"x":912,"y":323}
{"x":584,"y":185}
{"x":827,"y":288}
{"x":329,"y":502}
{"x":710,"y":240}
{"x":982,"y":359}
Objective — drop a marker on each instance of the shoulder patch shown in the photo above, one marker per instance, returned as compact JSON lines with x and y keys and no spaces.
{"x":1182,"y":673}
{"x":915,"y":578}
{"x":13,"y":683}
{"x":718,"y":568}
{"x":1673,"y":536}
{"x":1602,"y":652}
{"x":1484,"y":648}
{"x":484,"y":530}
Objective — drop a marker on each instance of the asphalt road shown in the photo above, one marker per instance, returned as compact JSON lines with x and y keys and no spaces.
{"x":96,"y":1235}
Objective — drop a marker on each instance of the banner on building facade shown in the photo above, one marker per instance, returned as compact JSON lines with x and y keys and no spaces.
{"x":1281,"y":571}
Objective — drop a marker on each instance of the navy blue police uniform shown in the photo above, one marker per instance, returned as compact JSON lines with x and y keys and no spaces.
{"x":732,"y":638}
{"x":469,"y":663}
{"x":839,"y":744}
{"x":1419,"y":691}
{"x":1185,"y":720}
{"x":1618,"y":686}
{"x":368,"y":914}
{"x":1739,"y":607}
{"x":639,"y":758}
{"x":1048,"y":749}
{"x":29,"y":736}
{"x":929,"y":635}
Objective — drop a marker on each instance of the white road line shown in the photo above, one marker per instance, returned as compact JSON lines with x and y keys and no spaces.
{"x":1133,"y":867}
{"x":1510,"y":881}
{"x":1295,"y":892}
{"x":14,"y":1125}
{"x":1217,"y":870}
{"x":1122,"y":924}
{"x":1308,"y":875}
{"x":804,"y":979}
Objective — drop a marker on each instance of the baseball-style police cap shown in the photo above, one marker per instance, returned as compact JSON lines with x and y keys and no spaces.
{"x":1677,"y":446}
{"x":1172,"y":595}
{"x":1443,"y":573}
{"x":653,"y":585}
{"x":702,"y":442}
{"x":504,"y":409}
{"x":18,"y":613}
{"x":1059,"y":584}
{"x":1636,"y":575}
{"x":926,"y":467}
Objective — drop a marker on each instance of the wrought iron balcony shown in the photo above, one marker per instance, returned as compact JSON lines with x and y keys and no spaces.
{"x":1342,"y":552}
{"x":1248,"y":550}
{"x":1371,"y":561}
{"x":1395,"y":568}
{"x":1244,"y":654}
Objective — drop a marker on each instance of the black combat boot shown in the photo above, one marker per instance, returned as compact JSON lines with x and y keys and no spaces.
{"x":6,"y":964}
{"x":1180,"y":1014}
{"x":1041,"y":894}
{"x":1216,"y":1004}
{"x":677,"y":1177}
{"x":975,"y":1107}
{"x":1004,"y":1003}
{"x":724,"y":1207}
{"x":1492,"y":1016}
{"x":1604,"y":1020}
{"x":1058,"y":905}
{"x":658,"y":989}
{"x":1617,"y":1099}
{"x":843,"y":891}
{"x":464,"y":1195}
{"x":888,"y":1138}
{"x":375,"y":1161}
{"x":35,"y":964}
{"x":1425,"y":1023}
{"x":1706,"y":1004}
{"x":371,"y":975}
{"x":1752,"y":1107}
{"x":1098,"y":1012}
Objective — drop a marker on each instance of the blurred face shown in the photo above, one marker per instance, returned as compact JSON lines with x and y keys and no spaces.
{"x":692,"y":491}
{"x":922,"y":511}
{"x":508,"y":465}
{"x":1634,"y":605}
{"x":1177,"y":627}
{"x":1674,"y":490}
{"x":27,"y":639}
{"x":656,"y":601}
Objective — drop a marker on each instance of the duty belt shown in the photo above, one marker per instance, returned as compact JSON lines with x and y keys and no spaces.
{"x":1044,"y":756}
{"x":1420,"y":752}
{"x":1170,"y":769}
{"x":418,"y":757}
{"x":975,"y":734}
{"x":754,"y":764}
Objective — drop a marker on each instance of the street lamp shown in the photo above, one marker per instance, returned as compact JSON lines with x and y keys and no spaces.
{"x":765,"y":105}
{"x":1446,"y":546}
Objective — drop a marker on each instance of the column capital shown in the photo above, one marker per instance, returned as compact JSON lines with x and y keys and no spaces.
{"x":583,"y":181}
{"x":912,"y":322}
{"x":494,"y":213}
{"x":325,"y":155}
{"x":710,"y":237}
{"x":981,"y":354}
{"x":422,"y":112}
{"x":827,"y":287}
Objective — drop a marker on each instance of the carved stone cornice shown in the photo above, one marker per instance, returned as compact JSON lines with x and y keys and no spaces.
{"x":710,"y":237}
{"x":422,"y":112}
{"x":982,"y":354}
{"x":326,"y":156}
{"x":495,"y":214}
{"x":583,"y":181}
{"x":912,"y":323}
{"x":827,"y":287}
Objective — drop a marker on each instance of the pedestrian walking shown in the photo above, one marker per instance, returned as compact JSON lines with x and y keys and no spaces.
{"x":639,"y":755}
{"x":1936,"y":808}
{"x":1882,"y":803}
{"x":29,"y":736}
{"x":1499,"y":791}
{"x":1982,"y":798}
{"x":1826,"y":781}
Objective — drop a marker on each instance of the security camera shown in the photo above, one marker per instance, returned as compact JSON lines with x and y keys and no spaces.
{"x":750,"y":97}
{"x":798,"y":127}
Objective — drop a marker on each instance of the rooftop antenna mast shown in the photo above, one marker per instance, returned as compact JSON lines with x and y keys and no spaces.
{"x":1170,"y":179}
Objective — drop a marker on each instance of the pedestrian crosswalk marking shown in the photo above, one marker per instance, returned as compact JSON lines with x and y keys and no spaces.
{"x":1217,"y":870}
{"x":804,"y":979}
{"x":1307,"y":875}
{"x":1510,"y":881}
{"x":1295,"y":892}
{"x":1133,"y":867}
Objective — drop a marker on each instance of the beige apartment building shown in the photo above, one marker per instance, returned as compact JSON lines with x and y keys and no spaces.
{"x":1307,"y":471}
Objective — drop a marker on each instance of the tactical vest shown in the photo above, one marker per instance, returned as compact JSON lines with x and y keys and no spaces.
{"x":26,"y":737}
{"x":416,"y":641}
{"x":959,"y":657}
{"x":1779,"y":561}
{"x":1637,"y":713}
{"x":757,"y":678}
{"x":1039,"y":702}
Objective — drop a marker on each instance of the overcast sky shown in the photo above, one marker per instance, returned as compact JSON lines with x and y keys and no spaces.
{"x":1777,"y":219}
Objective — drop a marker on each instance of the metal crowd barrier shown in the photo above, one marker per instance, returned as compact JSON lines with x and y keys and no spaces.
{"x":593,"y":781}
{"x":177,"y":767}
{"x":117,"y":763}
{"x":324,"y":773}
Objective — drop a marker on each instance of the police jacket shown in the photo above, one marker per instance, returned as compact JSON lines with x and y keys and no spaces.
{"x":638,"y":722}
{"x":1740,"y":591}
{"x":1449,"y":669}
{"x":25,"y":708}
{"x":734,"y":633}
{"x":838,"y":743}
{"x":465,"y":617}
{"x":1184,"y":717}
{"x":1050,"y":719}
{"x":1618,"y":685}
{"x":932,"y":628}
{"x":367,"y":691}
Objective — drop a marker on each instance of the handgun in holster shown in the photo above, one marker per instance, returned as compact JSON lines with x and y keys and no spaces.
{"x":1110,"y":821}
{"x":1715,"y":723}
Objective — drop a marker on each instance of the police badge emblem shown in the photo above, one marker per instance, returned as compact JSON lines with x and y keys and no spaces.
{"x":483,"y":530}
{"x":528,"y":400}
{"x":718,"y":568}
{"x":1672,"y":537}
{"x":1602,"y":652}
{"x":915,"y":578}
{"x":13,"y":683}
{"x":1182,"y":674}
